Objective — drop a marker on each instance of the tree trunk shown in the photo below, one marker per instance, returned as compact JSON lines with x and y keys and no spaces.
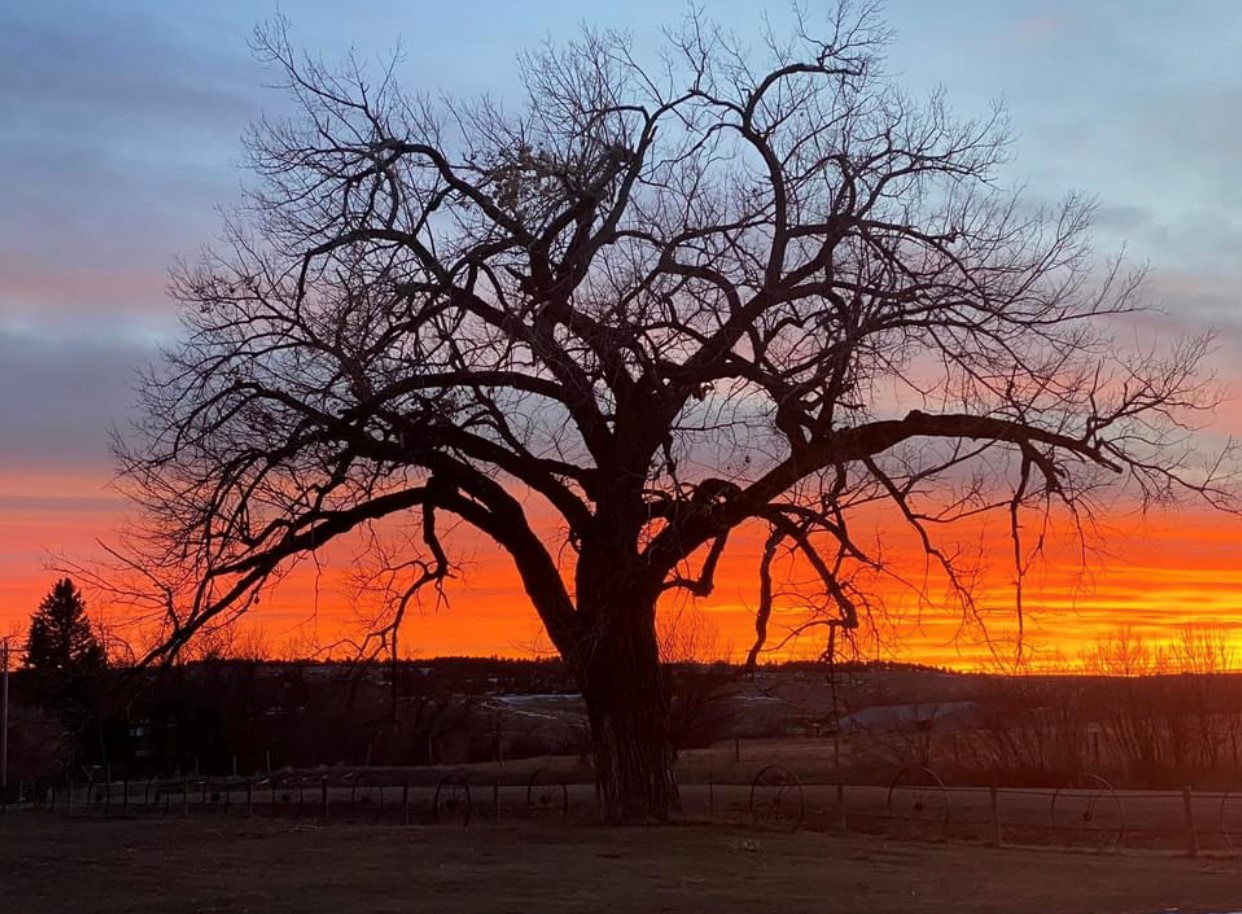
{"x":628,"y":712}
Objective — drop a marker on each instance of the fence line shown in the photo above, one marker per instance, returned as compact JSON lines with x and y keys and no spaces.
{"x":1086,"y":812}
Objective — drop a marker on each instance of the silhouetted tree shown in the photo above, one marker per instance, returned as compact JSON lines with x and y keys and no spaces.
{"x":663,"y":304}
{"x":61,"y":641}
{"x":697,"y":690}
{"x":67,"y":660}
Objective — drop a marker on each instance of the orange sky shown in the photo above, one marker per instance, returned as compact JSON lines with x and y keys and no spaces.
{"x":122,"y":169}
{"x":1159,"y":574}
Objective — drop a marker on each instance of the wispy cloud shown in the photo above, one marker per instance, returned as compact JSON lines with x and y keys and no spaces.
{"x":1038,"y":27}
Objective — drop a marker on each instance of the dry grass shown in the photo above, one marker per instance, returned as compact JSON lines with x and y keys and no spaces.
{"x":813,"y":759}
{"x":50,"y":863}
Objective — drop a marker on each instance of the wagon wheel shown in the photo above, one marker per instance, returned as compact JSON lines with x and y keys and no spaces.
{"x":776,"y":799}
{"x":286,"y":793}
{"x":366,"y":794}
{"x":217,"y":793}
{"x":917,"y":795}
{"x":1088,"y":813}
{"x":1231,"y":818}
{"x":546,"y":794}
{"x":453,"y":803}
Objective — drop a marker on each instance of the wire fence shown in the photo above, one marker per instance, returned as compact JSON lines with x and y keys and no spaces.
{"x":362,"y":795}
{"x":1087,"y":812}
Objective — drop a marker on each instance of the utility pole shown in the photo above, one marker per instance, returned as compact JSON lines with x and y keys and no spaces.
{"x":4,"y":719}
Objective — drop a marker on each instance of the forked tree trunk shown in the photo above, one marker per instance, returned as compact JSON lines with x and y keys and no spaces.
{"x":628,"y":712}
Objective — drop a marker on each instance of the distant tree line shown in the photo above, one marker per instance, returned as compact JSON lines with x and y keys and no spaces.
{"x":1142,"y":713}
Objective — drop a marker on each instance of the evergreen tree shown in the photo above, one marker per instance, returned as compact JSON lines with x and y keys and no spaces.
{"x":61,"y":640}
{"x":68,"y":663}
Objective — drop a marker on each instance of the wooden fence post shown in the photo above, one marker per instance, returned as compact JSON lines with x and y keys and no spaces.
{"x":1192,"y":836}
{"x":994,"y":796}
{"x":841,"y":827}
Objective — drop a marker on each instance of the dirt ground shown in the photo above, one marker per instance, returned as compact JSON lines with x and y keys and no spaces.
{"x":51,"y":863}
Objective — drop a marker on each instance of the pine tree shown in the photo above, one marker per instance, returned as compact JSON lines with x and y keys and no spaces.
{"x":61,"y":640}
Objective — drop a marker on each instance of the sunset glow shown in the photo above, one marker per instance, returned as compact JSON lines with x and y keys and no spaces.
{"x":1151,"y":576}
{"x":105,"y":205}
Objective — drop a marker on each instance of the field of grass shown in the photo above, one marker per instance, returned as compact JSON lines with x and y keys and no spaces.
{"x":53,"y":863}
{"x":725,"y":762}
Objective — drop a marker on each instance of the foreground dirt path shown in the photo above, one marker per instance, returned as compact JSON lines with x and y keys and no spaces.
{"x":54,"y":864}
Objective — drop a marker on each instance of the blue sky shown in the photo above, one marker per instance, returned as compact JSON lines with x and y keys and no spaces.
{"x":122,"y":125}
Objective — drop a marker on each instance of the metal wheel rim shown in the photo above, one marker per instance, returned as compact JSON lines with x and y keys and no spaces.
{"x":541,"y":780}
{"x":789,"y":787}
{"x":926,"y":796}
{"x":449,"y":793}
{"x":1102,"y":797}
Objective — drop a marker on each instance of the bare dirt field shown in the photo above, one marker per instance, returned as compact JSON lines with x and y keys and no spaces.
{"x":52,"y":863}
